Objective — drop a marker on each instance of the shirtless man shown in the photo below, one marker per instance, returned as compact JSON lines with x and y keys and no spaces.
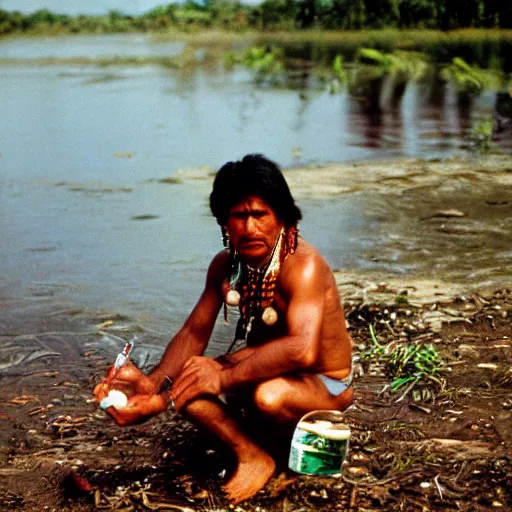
{"x":297,"y":352}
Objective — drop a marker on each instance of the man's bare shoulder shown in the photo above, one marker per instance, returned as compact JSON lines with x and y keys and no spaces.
{"x":307,"y":263}
{"x":219,"y":267}
{"x":307,"y":256}
{"x":221,"y":258}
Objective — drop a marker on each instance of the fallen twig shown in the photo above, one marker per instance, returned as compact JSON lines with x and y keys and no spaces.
{"x":439,"y":490}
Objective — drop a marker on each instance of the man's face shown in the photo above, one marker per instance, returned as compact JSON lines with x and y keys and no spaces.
{"x":253,"y":229}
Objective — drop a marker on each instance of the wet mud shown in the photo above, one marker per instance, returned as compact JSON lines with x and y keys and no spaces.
{"x":443,"y":445}
{"x":451,"y":217}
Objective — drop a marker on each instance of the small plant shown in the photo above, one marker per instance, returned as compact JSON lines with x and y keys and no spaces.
{"x":406,"y":363}
{"x":261,"y":59}
{"x":373,"y":68}
{"x":230,"y":59}
{"x":481,"y":135}
{"x":407,"y":65}
{"x":468,"y":79}
{"x":340,"y":75}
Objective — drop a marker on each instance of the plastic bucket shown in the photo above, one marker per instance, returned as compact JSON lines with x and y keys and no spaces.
{"x":320,"y":444}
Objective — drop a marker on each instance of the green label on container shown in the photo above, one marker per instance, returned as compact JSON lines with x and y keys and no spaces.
{"x":315,"y":454}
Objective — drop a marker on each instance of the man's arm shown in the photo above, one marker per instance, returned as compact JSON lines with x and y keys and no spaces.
{"x":192,"y":338}
{"x":299,"y":349}
{"x":303,"y":284}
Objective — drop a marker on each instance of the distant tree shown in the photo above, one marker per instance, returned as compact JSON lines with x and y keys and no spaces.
{"x":357,"y":14}
{"x":464,"y":13}
{"x":159,"y":18}
{"x":18,"y":21}
{"x":419,"y":13}
{"x":307,"y":13}
{"x":497,"y":13}
{"x":39,"y":20}
{"x":222,"y":11}
{"x":337,"y":14}
{"x":278,"y":13}
{"x":382,"y":13}
{"x":334,"y":14}
{"x":5,"y":22}
{"x":491,"y":15}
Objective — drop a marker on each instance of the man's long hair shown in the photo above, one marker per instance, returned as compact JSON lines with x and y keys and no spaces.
{"x":254,"y":175}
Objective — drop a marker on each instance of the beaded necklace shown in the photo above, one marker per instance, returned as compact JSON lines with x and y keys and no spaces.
{"x":252,"y":289}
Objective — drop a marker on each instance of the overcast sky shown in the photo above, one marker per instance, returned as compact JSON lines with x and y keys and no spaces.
{"x":83,"y":6}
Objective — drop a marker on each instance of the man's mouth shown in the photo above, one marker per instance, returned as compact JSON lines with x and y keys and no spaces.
{"x":250,"y":242}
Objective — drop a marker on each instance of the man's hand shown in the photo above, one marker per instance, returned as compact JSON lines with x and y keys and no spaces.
{"x":143,"y":402}
{"x":128,"y":379}
{"x":199,"y":376}
{"x":139,"y":409}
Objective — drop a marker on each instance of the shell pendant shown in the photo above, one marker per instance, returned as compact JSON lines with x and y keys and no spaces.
{"x":269,"y":316}
{"x":232,"y":298}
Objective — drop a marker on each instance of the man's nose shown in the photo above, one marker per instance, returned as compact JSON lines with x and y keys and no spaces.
{"x":250,"y":225}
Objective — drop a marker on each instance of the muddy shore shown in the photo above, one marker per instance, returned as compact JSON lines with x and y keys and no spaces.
{"x":445,"y":445}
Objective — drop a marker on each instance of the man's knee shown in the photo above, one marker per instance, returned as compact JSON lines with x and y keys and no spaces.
{"x":269,"y":398}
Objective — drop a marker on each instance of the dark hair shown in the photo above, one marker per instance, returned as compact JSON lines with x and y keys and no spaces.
{"x":257,"y":176}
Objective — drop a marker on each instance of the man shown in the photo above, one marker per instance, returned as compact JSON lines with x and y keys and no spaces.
{"x":297,"y":352}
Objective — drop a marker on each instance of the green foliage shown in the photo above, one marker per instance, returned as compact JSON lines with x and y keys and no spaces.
{"x":419,"y":13}
{"x":191,"y":16}
{"x":409,"y":65}
{"x":262,"y":59}
{"x":258,"y":58}
{"x":278,"y":14}
{"x":373,"y":67}
{"x":406,"y":363}
{"x":382,"y":13}
{"x":468,"y":79}
{"x":340,"y":75}
{"x":481,"y":135}
{"x":338,"y":69}
{"x":230,"y":59}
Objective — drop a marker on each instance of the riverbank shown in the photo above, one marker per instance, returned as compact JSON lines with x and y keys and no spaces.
{"x":442,"y":446}
{"x":444,"y":217}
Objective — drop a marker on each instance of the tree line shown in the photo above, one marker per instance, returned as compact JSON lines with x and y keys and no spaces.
{"x":276,"y":14}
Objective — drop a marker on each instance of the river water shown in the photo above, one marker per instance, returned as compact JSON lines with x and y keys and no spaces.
{"x":86,"y":221}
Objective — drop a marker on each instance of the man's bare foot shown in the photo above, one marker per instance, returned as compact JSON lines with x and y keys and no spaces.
{"x":251,"y":475}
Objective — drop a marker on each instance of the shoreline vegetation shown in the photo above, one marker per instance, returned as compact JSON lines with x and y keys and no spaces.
{"x":486,"y":48}
{"x":273,"y":15}
{"x":477,"y":31}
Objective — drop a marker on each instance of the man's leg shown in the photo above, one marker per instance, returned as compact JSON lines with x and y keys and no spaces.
{"x":284,"y":400}
{"x":255,"y":466}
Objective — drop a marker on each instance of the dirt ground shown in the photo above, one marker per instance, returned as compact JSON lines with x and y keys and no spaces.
{"x":442,"y":446}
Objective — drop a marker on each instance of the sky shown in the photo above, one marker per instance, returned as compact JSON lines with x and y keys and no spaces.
{"x":74,"y":7}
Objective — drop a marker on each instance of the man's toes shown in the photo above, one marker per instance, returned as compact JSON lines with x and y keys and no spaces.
{"x":236,"y":497}
{"x":234,"y":493}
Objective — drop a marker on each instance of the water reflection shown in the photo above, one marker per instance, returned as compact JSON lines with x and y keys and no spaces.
{"x":91,"y":46}
{"x":83,"y":147}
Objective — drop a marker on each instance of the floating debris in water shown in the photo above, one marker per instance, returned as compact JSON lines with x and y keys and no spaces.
{"x":147,"y":216}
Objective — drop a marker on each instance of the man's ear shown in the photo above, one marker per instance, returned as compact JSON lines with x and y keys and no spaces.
{"x":225,"y":236}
